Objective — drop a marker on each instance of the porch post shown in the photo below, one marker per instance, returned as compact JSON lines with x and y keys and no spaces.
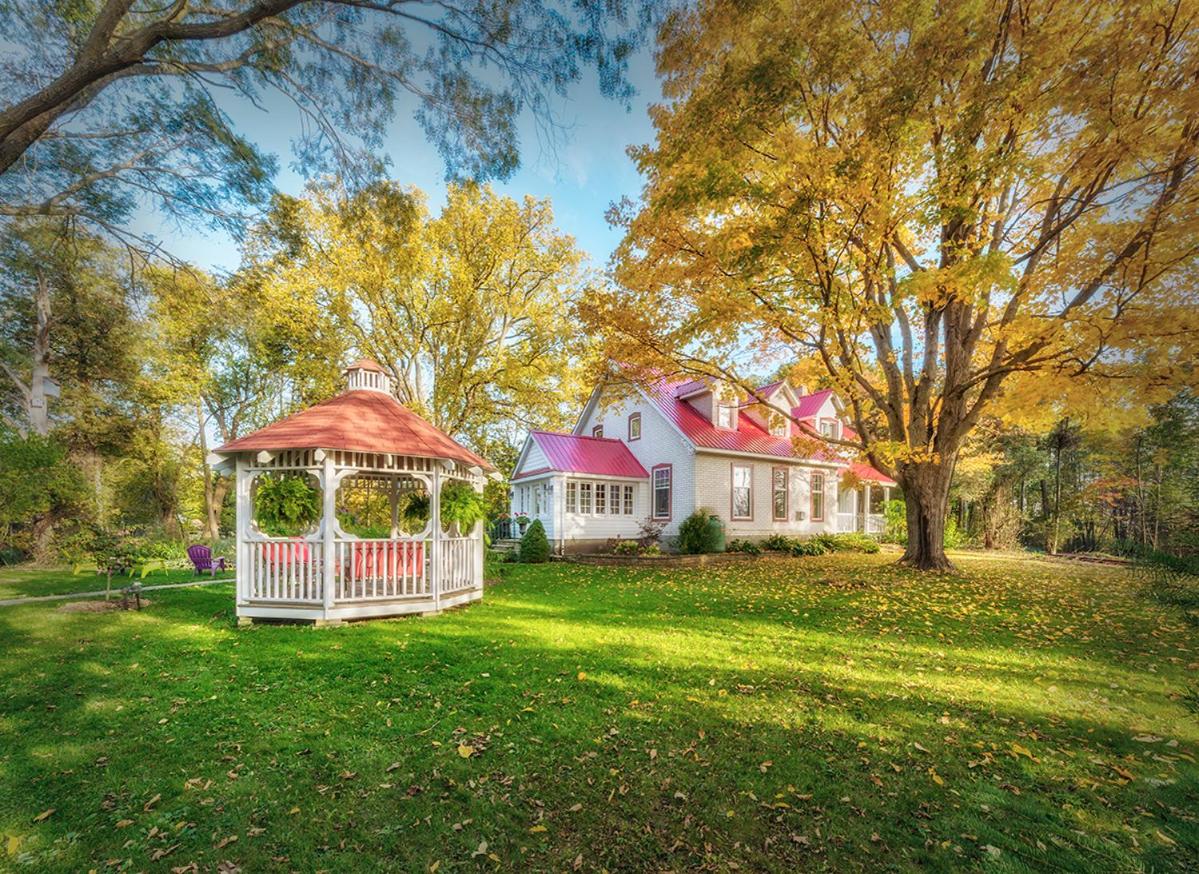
{"x":328,"y":515}
{"x":435,"y":550}
{"x":866,"y":509}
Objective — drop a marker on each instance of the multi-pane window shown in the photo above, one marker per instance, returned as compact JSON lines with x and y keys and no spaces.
{"x":662,"y":492}
{"x":597,"y":431}
{"x":726,"y":416}
{"x":628,"y":500}
{"x":743,"y":502}
{"x":601,"y":494}
{"x":817,"y":497}
{"x":779,"y":493}
{"x":572,"y":497}
{"x":828,"y":428}
{"x":635,"y":426}
{"x":585,"y":497}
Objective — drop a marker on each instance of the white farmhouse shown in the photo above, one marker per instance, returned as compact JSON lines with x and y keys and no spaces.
{"x":662,"y":450}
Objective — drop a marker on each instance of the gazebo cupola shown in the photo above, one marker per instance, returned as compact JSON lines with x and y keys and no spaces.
{"x":365,"y":374}
{"x":378,"y":545}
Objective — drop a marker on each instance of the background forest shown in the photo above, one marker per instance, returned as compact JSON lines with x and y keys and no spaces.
{"x":1059,"y":427}
{"x":122,"y":372}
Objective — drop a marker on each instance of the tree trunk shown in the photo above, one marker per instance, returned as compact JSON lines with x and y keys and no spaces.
{"x":39,"y":414}
{"x":215,"y":500}
{"x":926,"y":494}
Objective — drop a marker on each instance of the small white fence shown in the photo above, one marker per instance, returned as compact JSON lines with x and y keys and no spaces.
{"x":292,"y":570}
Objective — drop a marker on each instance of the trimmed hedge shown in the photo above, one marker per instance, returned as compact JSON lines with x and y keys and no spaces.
{"x":534,"y":545}
{"x":696,"y":534}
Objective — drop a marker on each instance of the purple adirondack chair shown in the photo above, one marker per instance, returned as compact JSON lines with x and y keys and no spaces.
{"x":201,"y":558}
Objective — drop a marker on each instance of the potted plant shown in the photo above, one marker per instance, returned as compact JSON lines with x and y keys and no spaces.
{"x":522,"y":522}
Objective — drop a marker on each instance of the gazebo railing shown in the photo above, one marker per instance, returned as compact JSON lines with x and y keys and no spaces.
{"x":284,"y":569}
{"x":458,"y":565}
{"x":384,"y":569}
{"x":287,"y":570}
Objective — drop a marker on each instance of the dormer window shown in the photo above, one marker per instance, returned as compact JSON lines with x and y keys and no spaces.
{"x":779,"y":425}
{"x":726,"y":416}
{"x":597,"y":431}
{"x":830,"y":428}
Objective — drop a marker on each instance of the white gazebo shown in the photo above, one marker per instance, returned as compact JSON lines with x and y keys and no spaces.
{"x":364,"y":442}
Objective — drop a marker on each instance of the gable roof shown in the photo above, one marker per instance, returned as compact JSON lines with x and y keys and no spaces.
{"x":599,"y":456}
{"x":809,"y":405}
{"x":748,"y":437}
{"x":361,"y":420}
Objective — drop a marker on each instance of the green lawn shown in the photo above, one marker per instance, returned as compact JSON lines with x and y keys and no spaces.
{"x":26,"y":582}
{"x":820,"y":713}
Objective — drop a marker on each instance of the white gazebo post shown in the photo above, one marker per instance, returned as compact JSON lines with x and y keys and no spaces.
{"x":242,"y":483}
{"x":328,"y":527}
{"x":435,"y":548}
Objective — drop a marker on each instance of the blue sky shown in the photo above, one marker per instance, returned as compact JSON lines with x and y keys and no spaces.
{"x":582,"y":173}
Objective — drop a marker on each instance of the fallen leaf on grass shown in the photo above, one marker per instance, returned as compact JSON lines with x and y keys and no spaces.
{"x":1123,"y":772}
{"x":466,"y":750}
{"x":152,"y":802}
{"x":44,"y":815}
{"x":124,"y":823}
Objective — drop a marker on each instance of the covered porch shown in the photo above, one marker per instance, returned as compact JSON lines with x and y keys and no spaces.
{"x":861,"y":508}
{"x":389,"y":537}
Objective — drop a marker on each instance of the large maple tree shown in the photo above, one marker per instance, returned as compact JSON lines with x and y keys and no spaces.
{"x":949,"y":205}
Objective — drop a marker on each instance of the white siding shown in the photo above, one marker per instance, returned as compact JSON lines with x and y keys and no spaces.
{"x":532,"y":458}
{"x":580,"y":526}
{"x":539,"y":492}
{"x":660,"y":443}
{"x":713,"y":491}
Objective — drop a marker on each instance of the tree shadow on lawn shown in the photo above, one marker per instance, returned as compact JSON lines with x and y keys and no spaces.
{"x":766,"y":762}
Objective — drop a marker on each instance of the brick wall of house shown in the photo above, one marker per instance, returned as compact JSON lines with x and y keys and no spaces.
{"x":713,"y":490}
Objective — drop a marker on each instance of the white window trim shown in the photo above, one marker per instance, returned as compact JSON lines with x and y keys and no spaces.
{"x":733,"y":487}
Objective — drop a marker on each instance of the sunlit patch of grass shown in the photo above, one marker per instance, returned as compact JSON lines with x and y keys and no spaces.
{"x":784,"y":714}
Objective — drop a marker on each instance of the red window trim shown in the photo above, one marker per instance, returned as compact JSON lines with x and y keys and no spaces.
{"x":786,"y":494}
{"x":599,"y":428}
{"x":653,"y":502}
{"x":733,"y":465}
{"x":633,"y":416}
{"x":823,"y":497}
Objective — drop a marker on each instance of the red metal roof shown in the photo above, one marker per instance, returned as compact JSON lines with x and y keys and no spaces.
{"x":809,"y":405}
{"x":748,"y":437}
{"x":865,"y":472}
{"x":600,"y":456}
{"x":360,"y":421}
